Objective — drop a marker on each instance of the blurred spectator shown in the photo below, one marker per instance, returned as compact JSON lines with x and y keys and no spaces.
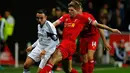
{"x":10,"y":28}
{"x":120,"y":53}
{"x":120,"y":6}
{"x":3,"y":35}
{"x":58,"y":13}
{"x":116,"y":20}
{"x":127,"y":48}
{"x":3,"y":32}
{"x":105,"y":11}
{"x":90,"y":8}
{"x":11,"y":22}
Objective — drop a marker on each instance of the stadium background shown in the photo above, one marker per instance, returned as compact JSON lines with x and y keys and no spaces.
{"x":26,"y":27}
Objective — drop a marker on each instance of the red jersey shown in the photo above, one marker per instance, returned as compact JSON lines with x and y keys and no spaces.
{"x":89,"y":29}
{"x":72,"y":27}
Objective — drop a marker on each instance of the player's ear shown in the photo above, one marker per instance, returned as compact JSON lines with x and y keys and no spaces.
{"x":46,"y":17}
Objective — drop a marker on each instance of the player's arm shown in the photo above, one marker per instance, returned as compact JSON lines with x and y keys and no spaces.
{"x":34,"y":44}
{"x":60,"y":20}
{"x":102,"y":26}
{"x":31,"y":47}
{"x":56,"y":23}
{"x":107,"y":46}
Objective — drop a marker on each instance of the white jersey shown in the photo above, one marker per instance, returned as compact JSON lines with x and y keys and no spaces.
{"x":47,"y":36}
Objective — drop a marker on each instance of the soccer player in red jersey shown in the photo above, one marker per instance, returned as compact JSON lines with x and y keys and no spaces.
{"x":89,"y":40}
{"x":72,"y":28}
{"x":73,"y":25}
{"x":88,"y":43}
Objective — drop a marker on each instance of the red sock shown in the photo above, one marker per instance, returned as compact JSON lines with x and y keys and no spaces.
{"x":74,"y":71}
{"x":90,"y":66}
{"x":84,"y":67}
{"x":47,"y":68}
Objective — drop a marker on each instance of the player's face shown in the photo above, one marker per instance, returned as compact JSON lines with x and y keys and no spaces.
{"x":41,"y":18}
{"x":73,"y":12}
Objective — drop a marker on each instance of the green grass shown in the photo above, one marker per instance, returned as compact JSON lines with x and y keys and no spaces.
{"x":96,"y":70}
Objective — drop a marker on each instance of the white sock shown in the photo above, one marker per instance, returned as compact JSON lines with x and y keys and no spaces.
{"x":26,"y":71}
{"x":51,"y":72}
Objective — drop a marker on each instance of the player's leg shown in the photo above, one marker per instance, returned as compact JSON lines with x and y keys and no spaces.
{"x":91,"y":61}
{"x":71,"y":69}
{"x":67,"y":66}
{"x":31,"y":59}
{"x":83,"y":53}
{"x":43,"y":62}
{"x":84,"y":67}
{"x":92,"y":45}
{"x":55,"y":58}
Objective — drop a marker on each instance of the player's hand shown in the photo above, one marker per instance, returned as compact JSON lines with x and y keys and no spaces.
{"x":116,"y":31}
{"x":29,"y":49}
{"x":107,"y":46}
{"x":42,"y":53}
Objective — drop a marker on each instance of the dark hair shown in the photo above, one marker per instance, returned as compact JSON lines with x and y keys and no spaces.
{"x":42,"y":11}
{"x":58,"y":9}
{"x":75,"y":4}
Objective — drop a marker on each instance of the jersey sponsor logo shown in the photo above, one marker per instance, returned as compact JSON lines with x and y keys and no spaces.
{"x":69,"y":25}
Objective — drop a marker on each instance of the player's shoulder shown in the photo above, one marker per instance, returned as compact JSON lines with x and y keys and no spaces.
{"x":50,"y":25}
{"x":87,"y":14}
{"x":48,"y":22}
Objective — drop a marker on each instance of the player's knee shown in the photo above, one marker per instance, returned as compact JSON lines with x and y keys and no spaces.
{"x":57,"y":55}
{"x":90,"y":57}
{"x":84,"y":58}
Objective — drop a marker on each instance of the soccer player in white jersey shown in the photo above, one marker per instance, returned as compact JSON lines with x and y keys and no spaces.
{"x":45,"y":44}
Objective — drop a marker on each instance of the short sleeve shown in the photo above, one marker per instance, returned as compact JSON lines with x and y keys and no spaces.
{"x":90,"y":18}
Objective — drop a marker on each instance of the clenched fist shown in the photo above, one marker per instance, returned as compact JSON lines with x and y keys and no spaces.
{"x":29,"y":49}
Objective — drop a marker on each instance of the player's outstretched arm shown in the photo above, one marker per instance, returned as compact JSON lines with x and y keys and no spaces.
{"x":102,"y":26}
{"x":56,"y":23}
{"x":107,"y":46}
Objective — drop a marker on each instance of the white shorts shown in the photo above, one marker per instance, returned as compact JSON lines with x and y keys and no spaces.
{"x":35,"y":55}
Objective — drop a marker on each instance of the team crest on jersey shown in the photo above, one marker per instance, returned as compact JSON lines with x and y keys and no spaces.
{"x":73,"y":24}
{"x":69,"y":24}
